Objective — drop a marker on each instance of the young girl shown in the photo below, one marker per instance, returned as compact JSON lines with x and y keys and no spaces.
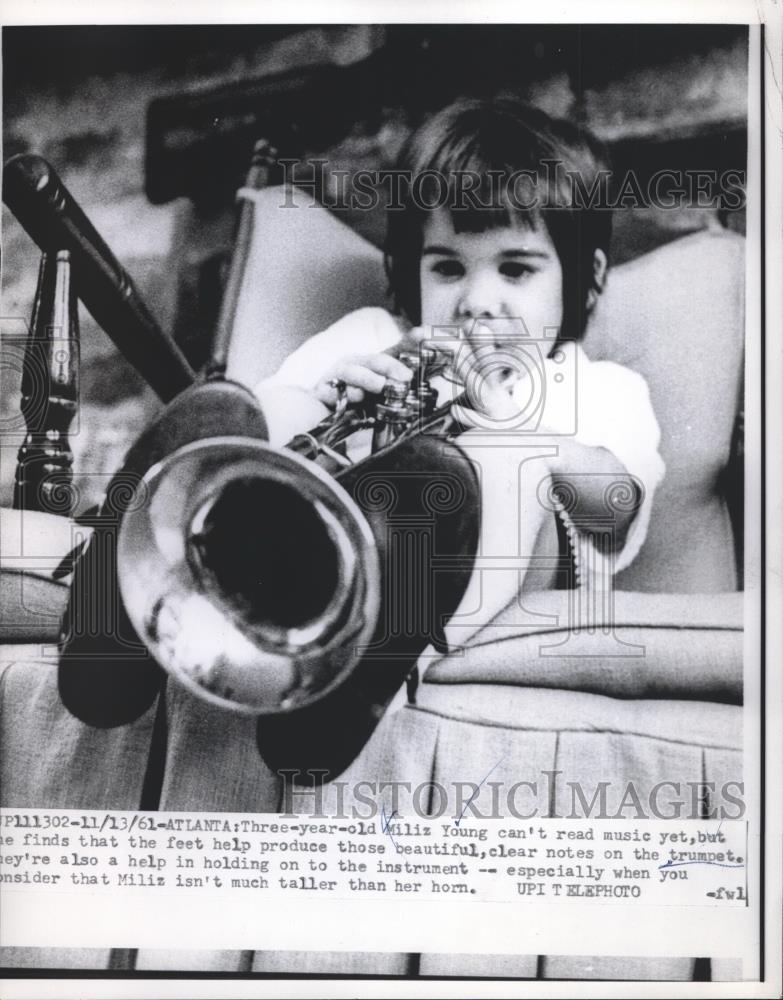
{"x":497,"y":259}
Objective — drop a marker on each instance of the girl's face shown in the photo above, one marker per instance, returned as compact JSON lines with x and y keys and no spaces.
{"x":501,"y":275}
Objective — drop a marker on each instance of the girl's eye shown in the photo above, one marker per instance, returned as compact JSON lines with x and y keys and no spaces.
{"x":515,"y":269}
{"x":448,"y":268}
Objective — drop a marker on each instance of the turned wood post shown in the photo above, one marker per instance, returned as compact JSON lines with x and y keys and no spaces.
{"x":50,"y":388}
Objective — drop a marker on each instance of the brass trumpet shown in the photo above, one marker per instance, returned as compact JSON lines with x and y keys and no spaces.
{"x":295,"y":584}
{"x":291,"y":584}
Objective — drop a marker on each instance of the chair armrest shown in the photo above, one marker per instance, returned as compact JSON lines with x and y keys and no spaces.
{"x":33,"y":607}
{"x":34,"y":573}
{"x":682,"y":646}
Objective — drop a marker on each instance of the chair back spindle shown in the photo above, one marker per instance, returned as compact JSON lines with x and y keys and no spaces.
{"x":50,"y":390}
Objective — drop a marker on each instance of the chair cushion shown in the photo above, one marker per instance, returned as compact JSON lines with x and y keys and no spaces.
{"x":33,"y":607}
{"x":646,"y":646}
{"x":50,"y":760}
{"x":35,"y":573}
{"x":676,"y":316}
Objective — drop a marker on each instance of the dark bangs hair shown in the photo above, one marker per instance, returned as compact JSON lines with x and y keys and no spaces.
{"x":491,"y":164}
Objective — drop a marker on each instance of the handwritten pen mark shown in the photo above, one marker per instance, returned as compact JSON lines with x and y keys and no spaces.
{"x":678,"y":864}
{"x":385,"y":824}
{"x":477,"y":790}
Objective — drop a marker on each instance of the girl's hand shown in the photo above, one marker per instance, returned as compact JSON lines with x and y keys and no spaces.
{"x":489,"y":387}
{"x":362,"y":373}
{"x":507,"y":390}
{"x":484,"y":366}
{"x":451,"y":352}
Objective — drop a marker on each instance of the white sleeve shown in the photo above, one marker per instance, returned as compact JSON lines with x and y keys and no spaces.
{"x":365,"y":331}
{"x":616,"y":413}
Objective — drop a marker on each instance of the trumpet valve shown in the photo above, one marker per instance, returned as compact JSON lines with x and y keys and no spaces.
{"x":421,"y":398}
{"x":393,"y":415}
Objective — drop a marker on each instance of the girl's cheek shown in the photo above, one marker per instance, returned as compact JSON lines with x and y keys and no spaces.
{"x":435,"y":305}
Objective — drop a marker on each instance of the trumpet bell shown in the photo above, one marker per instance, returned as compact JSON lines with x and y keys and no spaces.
{"x":250,"y":574}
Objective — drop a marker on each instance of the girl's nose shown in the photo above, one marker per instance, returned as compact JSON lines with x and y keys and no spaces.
{"x":479,"y":300}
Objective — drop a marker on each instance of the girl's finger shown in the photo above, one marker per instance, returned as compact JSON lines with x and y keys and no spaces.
{"x":441,"y":340}
{"x":488,"y":382}
{"x":413,"y":337}
{"x":359,"y":375}
{"x":388,"y":366}
{"x":327,"y":394}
